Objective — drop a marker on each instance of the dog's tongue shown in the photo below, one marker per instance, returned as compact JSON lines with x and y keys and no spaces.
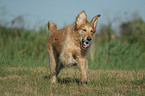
{"x":85,"y":46}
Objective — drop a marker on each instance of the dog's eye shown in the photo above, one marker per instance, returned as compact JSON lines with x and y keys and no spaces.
{"x":92,"y":31}
{"x":84,"y":29}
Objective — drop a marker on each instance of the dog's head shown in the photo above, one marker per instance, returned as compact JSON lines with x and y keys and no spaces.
{"x":86,"y":29}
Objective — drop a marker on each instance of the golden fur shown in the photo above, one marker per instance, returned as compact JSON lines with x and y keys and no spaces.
{"x":68,"y":46}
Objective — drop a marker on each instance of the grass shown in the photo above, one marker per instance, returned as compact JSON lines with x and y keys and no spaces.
{"x":117,"y":55}
{"x":33,"y":81}
{"x":115,"y":68}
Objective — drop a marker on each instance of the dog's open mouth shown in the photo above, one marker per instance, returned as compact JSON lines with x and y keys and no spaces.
{"x":85,"y":44}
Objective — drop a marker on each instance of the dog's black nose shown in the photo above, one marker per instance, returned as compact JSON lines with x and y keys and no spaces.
{"x":89,"y":38}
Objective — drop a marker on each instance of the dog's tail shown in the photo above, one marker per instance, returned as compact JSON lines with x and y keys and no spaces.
{"x":51,"y":26}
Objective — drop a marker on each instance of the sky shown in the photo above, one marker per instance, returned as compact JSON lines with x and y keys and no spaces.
{"x":37,"y":13}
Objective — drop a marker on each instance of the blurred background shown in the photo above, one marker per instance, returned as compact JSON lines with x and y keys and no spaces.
{"x":118,"y":44}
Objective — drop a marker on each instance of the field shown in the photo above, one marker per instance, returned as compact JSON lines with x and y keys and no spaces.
{"x":33,"y":81}
{"x":115,"y":68}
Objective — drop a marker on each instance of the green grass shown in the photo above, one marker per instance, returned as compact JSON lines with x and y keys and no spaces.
{"x":33,"y":81}
{"x":115,"y":68}
{"x":117,"y":55}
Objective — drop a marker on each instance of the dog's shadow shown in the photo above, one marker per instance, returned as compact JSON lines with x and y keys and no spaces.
{"x":67,"y":80}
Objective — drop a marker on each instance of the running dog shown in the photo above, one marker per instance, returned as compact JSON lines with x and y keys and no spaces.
{"x":68,"y":46}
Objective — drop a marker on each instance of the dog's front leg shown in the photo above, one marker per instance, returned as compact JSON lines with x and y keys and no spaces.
{"x":67,"y":59}
{"x":83,"y":66}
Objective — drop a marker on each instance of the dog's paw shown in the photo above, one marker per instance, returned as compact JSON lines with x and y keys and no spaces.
{"x":73,"y":63}
{"x":84,"y":81}
{"x":53,"y":79}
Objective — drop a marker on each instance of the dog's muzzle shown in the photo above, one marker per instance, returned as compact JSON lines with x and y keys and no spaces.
{"x":85,"y":43}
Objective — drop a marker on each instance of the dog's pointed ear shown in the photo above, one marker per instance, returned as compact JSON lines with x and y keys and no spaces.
{"x":81,"y":19}
{"x":94,"y":22}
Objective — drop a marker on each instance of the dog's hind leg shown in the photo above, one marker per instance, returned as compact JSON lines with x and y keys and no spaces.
{"x":58,"y":68}
{"x":52,"y":64}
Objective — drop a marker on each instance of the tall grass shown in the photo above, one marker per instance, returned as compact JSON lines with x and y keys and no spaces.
{"x":28,"y":48}
{"x":23,"y":47}
{"x":117,"y":55}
